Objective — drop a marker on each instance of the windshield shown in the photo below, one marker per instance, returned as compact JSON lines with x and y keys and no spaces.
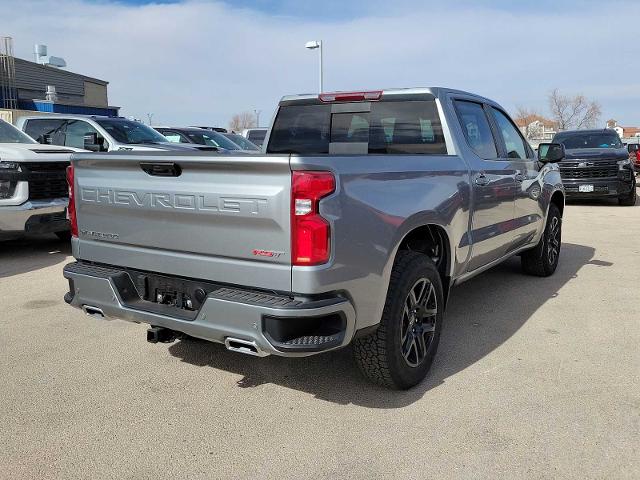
{"x":257,"y":136}
{"x":130,"y":132}
{"x":589,"y":140}
{"x":10,"y":134}
{"x":213,"y":139}
{"x":241,"y":141}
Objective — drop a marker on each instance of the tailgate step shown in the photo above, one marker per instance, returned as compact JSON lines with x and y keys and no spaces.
{"x":255,"y":298}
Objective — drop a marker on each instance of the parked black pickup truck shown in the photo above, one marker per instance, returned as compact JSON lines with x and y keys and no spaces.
{"x":596,"y":165}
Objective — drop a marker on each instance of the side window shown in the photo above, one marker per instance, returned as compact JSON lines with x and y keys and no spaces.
{"x":46,"y":131}
{"x":183,"y":138}
{"x":512,"y":139}
{"x":477,"y":131}
{"x":76,"y":132}
{"x":173,"y":137}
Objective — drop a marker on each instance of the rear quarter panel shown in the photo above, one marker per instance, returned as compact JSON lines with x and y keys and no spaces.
{"x":378,"y":200}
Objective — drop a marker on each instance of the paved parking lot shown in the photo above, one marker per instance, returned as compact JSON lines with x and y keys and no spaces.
{"x":535,"y":378}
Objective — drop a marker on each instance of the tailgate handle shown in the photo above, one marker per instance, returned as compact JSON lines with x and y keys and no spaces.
{"x":161,"y":169}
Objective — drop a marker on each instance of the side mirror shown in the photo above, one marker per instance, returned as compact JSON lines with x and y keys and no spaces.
{"x":93,"y":142}
{"x":550,"y":152}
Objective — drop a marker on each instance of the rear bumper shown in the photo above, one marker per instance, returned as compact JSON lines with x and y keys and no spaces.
{"x":35,"y":216}
{"x":227,"y":314}
{"x":613,"y":187}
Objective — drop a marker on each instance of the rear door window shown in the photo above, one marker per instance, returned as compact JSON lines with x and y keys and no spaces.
{"x":46,"y":131}
{"x":389,"y":127}
{"x":476,"y":129}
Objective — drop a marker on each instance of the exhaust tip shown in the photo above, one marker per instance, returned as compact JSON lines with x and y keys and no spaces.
{"x":93,"y":311}
{"x":244,"y":346}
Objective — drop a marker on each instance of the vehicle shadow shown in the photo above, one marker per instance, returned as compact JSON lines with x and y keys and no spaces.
{"x":483,"y":313}
{"x":29,"y":253}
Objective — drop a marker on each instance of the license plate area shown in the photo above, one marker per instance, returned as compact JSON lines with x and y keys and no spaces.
{"x":150,"y":292}
{"x":585,"y":188}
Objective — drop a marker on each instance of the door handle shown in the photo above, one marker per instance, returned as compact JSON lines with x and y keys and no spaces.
{"x":520,"y":177}
{"x":481,"y":180}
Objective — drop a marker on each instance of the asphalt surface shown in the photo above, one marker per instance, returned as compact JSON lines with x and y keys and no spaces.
{"x":534,"y":378}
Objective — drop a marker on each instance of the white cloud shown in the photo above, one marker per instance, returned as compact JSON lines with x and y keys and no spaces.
{"x":200,"y":62}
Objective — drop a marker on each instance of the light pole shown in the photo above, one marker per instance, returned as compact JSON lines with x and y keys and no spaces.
{"x":312,"y":46}
{"x":257,"y":112}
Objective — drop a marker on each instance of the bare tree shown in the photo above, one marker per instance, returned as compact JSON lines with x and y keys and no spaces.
{"x":243,"y":120}
{"x":573,"y":112}
{"x":526,"y":119}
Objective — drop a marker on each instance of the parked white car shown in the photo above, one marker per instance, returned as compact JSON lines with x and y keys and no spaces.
{"x":98,"y":134}
{"x":33,"y":185}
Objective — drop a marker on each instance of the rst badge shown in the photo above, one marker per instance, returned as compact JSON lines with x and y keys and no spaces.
{"x":267,"y":253}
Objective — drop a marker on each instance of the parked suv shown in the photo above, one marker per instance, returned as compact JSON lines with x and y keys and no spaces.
{"x":98,"y":134}
{"x":596,"y":165}
{"x":255,"y":135}
{"x":33,"y":187}
{"x":367,"y":209}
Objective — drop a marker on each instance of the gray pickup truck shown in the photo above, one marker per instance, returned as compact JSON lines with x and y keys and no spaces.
{"x":366,"y":210}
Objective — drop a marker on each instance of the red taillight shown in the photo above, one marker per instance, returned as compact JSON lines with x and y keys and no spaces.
{"x":310,"y":233}
{"x":350,"y":96}
{"x":71,"y":209}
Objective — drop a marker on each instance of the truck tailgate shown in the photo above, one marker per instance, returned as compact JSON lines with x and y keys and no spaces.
{"x":223,"y":218}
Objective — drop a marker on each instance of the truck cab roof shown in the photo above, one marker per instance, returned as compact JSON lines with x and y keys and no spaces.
{"x":437,"y":92}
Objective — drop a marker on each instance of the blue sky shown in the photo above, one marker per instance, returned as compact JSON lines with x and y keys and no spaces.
{"x":336,"y":9}
{"x":201,"y":61}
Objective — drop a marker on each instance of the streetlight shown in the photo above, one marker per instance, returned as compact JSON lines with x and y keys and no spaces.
{"x":312,"y":46}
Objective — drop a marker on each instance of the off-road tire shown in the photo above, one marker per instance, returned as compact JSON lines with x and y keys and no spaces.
{"x":380,"y":354}
{"x":540,"y":261}
{"x":629,"y":200}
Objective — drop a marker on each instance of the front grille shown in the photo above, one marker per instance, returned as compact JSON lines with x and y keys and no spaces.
{"x":45,"y":189}
{"x":599,"y":163}
{"x":576,"y":173}
{"x":46,"y":179}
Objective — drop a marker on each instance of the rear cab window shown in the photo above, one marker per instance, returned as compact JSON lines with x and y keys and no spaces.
{"x":388,"y":126}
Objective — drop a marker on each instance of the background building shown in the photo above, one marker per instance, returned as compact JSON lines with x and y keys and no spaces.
{"x":623,"y":132}
{"x":27,"y":87}
{"x":537,"y":129}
